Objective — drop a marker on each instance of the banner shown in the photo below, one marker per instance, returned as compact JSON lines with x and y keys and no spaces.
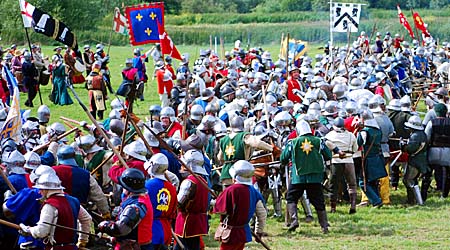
{"x":143,"y":22}
{"x":43,"y":23}
{"x":420,"y":24}
{"x":405,"y":22}
{"x":345,"y":17}
{"x":167,"y":46}
{"x":120,"y":24}
{"x":12,"y":127}
{"x":297,"y":48}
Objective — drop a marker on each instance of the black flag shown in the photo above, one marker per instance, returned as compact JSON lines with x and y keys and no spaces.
{"x":44,"y":23}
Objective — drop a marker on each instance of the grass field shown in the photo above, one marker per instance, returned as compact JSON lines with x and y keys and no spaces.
{"x":391,"y":227}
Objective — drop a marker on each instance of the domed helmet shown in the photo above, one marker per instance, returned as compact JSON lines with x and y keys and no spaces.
{"x":220,"y":129}
{"x":207,"y":93}
{"x":330,"y":108}
{"x":196,"y":112}
{"x":339,"y":90}
{"x":270,"y":100}
{"x":194,"y":160}
{"x":287,"y":105}
{"x":150,"y":138}
{"x":442,"y":91}
{"x":414,"y":122}
{"x":211,"y":108}
{"x":302,"y":128}
{"x":41,"y":170}
{"x":14,"y":162}
{"x":155,"y":110}
{"x":87,"y":144}
{"x":157,"y":166}
{"x":56,"y":129}
{"x":405,"y":103}
{"x":355,"y":83}
{"x":237,"y":124}
{"x":374,"y":106}
{"x":116,"y":103}
{"x":351,"y":107}
{"x":116,"y":126}
{"x":394,"y":104}
{"x":114,"y":114}
{"x":48,"y":181}
{"x":168,"y":112}
{"x":369,"y":119}
{"x":137,"y":150}
{"x":32,"y":160}
{"x":66,"y":155}
{"x":30,"y":129}
{"x":43,"y":114}
{"x":338,"y":123}
{"x":242,"y":172}
{"x":208,"y":122}
{"x":363,"y":103}
{"x":133,"y":180}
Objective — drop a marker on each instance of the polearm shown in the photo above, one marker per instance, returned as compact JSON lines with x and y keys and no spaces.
{"x":57,"y":139}
{"x":31,"y":53}
{"x":7,"y":181}
{"x":164,"y":145}
{"x":97,"y":126}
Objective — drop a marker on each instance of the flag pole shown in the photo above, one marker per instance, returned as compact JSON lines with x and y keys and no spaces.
{"x":330,"y":47}
{"x":31,"y":53}
{"x":287,"y":53}
{"x":111,"y":31}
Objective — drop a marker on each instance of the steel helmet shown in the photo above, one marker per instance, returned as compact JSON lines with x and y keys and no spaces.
{"x":414,"y":122}
{"x":208,"y":122}
{"x":368,"y":118}
{"x":116,"y":103}
{"x":114,"y":114}
{"x":394,"y":104}
{"x":41,"y":170}
{"x":405,"y":103}
{"x":442,"y":91}
{"x":87,"y":143}
{"x":43,"y":114}
{"x":283,"y":118}
{"x":351,"y":107}
{"x":137,"y":150}
{"x":49,"y":181}
{"x":150,"y":138}
{"x":302,"y":128}
{"x":220,"y":129}
{"x":338,"y":122}
{"x":66,"y":155}
{"x":157,"y":166}
{"x":32,"y":160}
{"x":242,"y":172}
{"x":155,"y":110}
{"x":133,"y":180}
{"x":194,"y":160}
{"x":374,"y":106}
{"x":339,"y":90}
{"x":330,"y":108}
{"x":14,"y":162}
{"x":270,"y":99}
{"x":287,"y":105}
{"x":167,"y":112}
{"x":237,"y":124}
{"x":211,"y":108}
{"x":56,"y":129}
{"x":197,"y":112}
{"x":116,"y":126}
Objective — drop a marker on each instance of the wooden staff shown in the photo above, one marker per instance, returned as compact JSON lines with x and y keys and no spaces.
{"x":9,"y":224}
{"x":57,"y":139}
{"x":5,"y":178}
{"x":102,"y":164}
{"x":177,"y":239}
{"x":417,"y":101}
{"x":69,"y":120}
{"x":98,"y":127}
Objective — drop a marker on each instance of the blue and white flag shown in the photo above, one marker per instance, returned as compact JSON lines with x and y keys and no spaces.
{"x":13,"y":124}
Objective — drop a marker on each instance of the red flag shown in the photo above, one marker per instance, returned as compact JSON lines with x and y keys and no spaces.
{"x":420,"y":24}
{"x":404,"y":22}
{"x":167,"y":46}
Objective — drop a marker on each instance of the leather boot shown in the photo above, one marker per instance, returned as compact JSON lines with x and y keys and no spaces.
{"x":323,"y":221}
{"x":333,"y":207}
{"x":352,"y":203}
{"x":410,"y":196}
{"x":292,"y":208}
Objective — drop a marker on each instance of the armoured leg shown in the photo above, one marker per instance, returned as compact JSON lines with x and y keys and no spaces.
{"x":306,"y":208}
{"x":323,"y":221}
{"x":426,"y":183}
{"x":395,"y":176}
{"x":292,"y":208}
{"x":409,"y":179}
{"x":276,"y":202}
{"x":417,"y":195}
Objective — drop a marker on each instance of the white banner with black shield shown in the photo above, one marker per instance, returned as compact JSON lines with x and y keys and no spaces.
{"x":345,"y":17}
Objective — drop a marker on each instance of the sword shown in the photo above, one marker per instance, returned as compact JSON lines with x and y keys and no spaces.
{"x":395,"y":159}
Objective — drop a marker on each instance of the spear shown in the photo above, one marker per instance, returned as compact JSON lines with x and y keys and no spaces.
{"x":57,"y":139}
{"x":98,"y":126}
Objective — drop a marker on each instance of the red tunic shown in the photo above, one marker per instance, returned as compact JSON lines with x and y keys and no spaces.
{"x":192,"y":222}
{"x":167,"y":85}
{"x":293,"y":84}
{"x":145,"y":226}
{"x":116,"y":171}
{"x":68,"y":208}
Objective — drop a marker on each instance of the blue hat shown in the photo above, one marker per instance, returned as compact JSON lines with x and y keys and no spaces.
{"x":66,"y":155}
